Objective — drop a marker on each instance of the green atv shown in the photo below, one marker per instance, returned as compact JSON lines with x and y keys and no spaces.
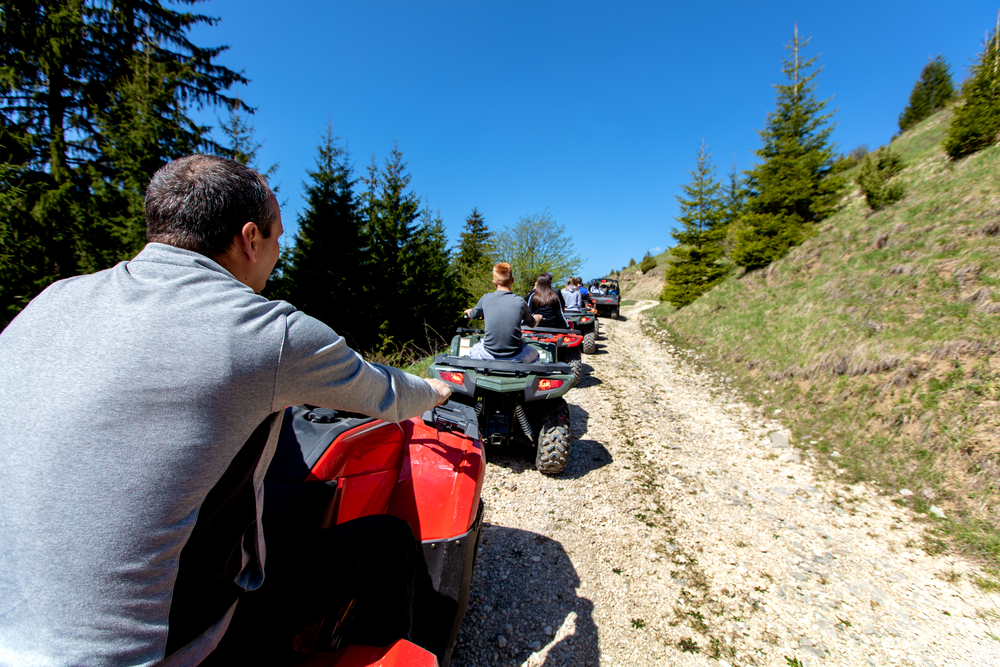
{"x":515,"y":402}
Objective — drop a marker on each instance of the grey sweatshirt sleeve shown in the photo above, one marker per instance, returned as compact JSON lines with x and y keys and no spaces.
{"x":477,"y":310}
{"x":317,"y":367}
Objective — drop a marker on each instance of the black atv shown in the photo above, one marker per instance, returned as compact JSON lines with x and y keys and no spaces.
{"x":606,"y":296}
{"x":515,"y":402}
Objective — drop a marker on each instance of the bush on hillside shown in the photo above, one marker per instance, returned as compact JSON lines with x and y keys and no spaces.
{"x":631,"y":262}
{"x":648,"y":264}
{"x":976,"y":123}
{"x":874,"y":179}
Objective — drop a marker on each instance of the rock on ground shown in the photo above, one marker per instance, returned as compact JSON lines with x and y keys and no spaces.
{"x":684,"y":532}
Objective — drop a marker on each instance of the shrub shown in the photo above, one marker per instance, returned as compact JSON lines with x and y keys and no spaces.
{"x":648,"y":264}
{"x":876,"y":172}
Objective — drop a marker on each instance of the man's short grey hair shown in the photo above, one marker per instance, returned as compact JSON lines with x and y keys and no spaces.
{"x":201,"y":202}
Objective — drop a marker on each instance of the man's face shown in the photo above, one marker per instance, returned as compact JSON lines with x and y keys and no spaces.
{"x":269,"y":250}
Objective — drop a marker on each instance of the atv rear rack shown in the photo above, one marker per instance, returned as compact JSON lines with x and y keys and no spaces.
{"x":518,"y":368}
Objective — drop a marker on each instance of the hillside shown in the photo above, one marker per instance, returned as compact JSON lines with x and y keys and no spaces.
{"x":876,"y":340}
{"x":638,"y":285}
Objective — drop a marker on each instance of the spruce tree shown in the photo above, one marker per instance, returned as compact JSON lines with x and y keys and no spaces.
{"x":94,"y":97}
{"x":323,"y":272}
{"x":792,"y":186}
{"x":433,"y":302}
{"x":412,"y":288}
{"x":473,"y":261}
{"x":931,"y":92}
{"x":976,"y":123}
{"x":733,"y":197}
{"x":696,"y":265}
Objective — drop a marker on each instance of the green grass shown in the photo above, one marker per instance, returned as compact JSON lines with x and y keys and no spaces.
{"x":420,"y":367}
{"x":880,"y":334}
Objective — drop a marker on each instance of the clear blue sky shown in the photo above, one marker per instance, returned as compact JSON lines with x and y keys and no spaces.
{"x":594,"y":110}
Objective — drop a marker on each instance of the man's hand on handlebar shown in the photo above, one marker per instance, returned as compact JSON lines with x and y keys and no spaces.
{"x":443,"y":390}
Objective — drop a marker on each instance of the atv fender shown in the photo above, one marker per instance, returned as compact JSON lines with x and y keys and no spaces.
{"x":400,"y":654}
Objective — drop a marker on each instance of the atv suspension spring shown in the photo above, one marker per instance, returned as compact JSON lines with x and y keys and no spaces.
{"x":479,"y":407}
{"x":523,"y":419}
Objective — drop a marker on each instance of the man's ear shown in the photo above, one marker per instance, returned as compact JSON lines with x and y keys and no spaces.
{"x":248,"y":240}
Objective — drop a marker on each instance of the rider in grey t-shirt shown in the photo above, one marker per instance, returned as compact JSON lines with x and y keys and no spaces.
{"x":504,"y":312}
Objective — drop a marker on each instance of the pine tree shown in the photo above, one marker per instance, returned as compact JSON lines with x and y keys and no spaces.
{"x":433,"y":302}
{"x":696,"y":266}
{"x":412,"y":287}
{"x":322,"y":272}
{"x":976,"y":123}
{"x":94,"y":98}
{"x":647,"y":263}
{"x":242,"y":144}
{"x":931,"y":92}
{"x":792,"y":187}
{"x":733,"y":197}
{"x":473,"y":261}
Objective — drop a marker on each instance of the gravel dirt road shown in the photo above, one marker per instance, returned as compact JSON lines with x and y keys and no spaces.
{"x":686,"y":531}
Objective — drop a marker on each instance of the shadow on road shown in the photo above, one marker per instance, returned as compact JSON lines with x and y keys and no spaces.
{"x":584,"y":455}
{"x":525,"y":584}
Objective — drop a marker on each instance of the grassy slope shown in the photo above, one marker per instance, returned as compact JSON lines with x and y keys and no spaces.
{"x":878,"y":337}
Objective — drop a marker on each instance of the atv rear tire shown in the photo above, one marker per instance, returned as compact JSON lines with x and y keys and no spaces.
{"x":572,"y":357}
{"x":553,"y":439}
{"x":590,"y":341}
{"x":614,"y":313}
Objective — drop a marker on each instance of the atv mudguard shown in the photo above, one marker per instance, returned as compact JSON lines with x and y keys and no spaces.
{"x":400,"y":654}
{"x":330,"y":468}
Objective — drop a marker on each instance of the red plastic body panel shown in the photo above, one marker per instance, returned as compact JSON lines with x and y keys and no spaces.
{"x":368,"y":448}
{"x":400,"y":654}
{"x":364,"y":495}
{"x":437,"y":492}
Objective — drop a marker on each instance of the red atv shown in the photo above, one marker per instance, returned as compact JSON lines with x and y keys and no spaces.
{"x":585,"y":323}
{"x":331,"y":467}
{"x":568,"y":343}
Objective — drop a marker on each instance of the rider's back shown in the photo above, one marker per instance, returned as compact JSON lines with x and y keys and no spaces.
{"x":125,"y":397}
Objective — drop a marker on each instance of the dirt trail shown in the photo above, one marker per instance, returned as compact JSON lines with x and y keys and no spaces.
{"x":685,"y":531}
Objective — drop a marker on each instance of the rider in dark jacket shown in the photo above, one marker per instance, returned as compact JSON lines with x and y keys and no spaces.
{"x":548,"y":303}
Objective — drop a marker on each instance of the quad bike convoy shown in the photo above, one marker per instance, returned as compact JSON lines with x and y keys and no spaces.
{"x":331,"y":467}
{"x":605,"y":294}
{"x":515,"y":402}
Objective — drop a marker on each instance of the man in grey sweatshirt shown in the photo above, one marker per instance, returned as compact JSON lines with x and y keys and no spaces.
{"x":139,"y":409}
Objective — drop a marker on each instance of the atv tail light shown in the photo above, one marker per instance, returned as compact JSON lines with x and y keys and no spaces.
{"x":548,"y":385}
{"x":454,"y":378}
{"x":584,"y":320}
